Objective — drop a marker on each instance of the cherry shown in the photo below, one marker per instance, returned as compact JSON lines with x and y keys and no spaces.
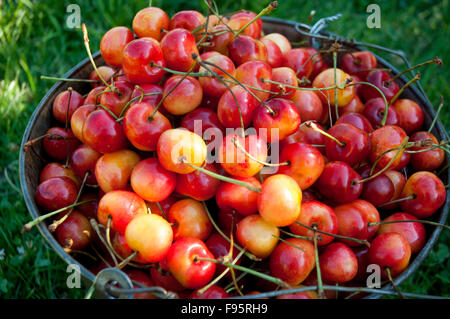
{"x":318,"y":63}
{"x":399,"y":181}
{"x":222,"y":37}
{"x":357,"y":120}
{"x":280,"y":40}
{"x":410,"y":115}
{"x":254,"y":74}
{"x":203,"y":120}
{"x":429,"y":160}
{"x":229,"y":110}
{"x":308,"y":105}
{"x":375,"y":109}
{"x":143,"y":279}
{"x":359,"y":63}
{"x":240,"y":19}
{"x":338,"y":263}
{"x":78,"y":118}
{"x":390,"y":250}
{"x":187,"y":19}
{"x":228,"y":220}
{"x":244,"y":48}
{"x":102,"y":133}
{"x":220,"y":248}
{"x":378,"y":190}
{"x":56,"y":193}
{"x":284,"y":210}
{"x":198,"y":185}
{"x":143,"y":126}
{"x":151,"y":181}
{"x":178,"y":46}
{"x":274,"y":54}
{"x":231,"y":197}
{"x":113,"y":170}
{"x":414,"y":232}
{"x":164,"y":204}
{"x":293,"y":260}
{"x":384,"y":139}
{"x":185,"y":264}
{"x":154,"y":99}
{"x":305,"y":134}
{"x":106,"y":73}
{"x":162,"y":277}
{"x":326,"y":79}
{"x":182,"y":94}
{"x":280,"y":122}
{"x":306,"y":163}
{"x":65,"y":105}
{"x":296,"y":59}
{"x":212,"y":86}
{"x":308,"y":195}
{"x":213,"y":292}
{"x":116,"y":101}
{"x":355,"y":144}
{"x":150,"y":235}
{"x":286,"y":76}
{"x":427,"y":192}
{"x":83,"y":161}
{"x":354,"y":106}
{"x":339,"y":182}
{"x":257,"y":235}
{"x":379,"y":78}
{"x":112,"y":44}
{"x":315,"y":213}
{"x":138,"y":57}
{"x":58,"y":170}
{"x":75,"y":232}
{"x":176,"y":147}
{"x":93,"y":96}
{"x":189,"y":219}
{"x":150,"y":22}
{"x":60,"y":143}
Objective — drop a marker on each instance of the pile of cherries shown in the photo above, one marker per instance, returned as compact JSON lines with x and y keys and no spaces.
{"x":153,"y":173}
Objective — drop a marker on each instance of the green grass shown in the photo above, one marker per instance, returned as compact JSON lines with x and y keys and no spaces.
{"x":35,"y":41}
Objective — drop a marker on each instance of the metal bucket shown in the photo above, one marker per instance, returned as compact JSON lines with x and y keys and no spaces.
{"x":41,"y":120}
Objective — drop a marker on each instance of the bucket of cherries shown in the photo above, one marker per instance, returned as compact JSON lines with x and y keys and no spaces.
{"x":209,"y":156}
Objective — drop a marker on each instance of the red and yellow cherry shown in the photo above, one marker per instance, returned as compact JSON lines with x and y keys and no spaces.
{"x":185,"y":264}
{"x":299,"y":60}
{"x":203,"y":120}
{"x":414,"y":232}
{"x":238,"y":20}
{"x":116,"y":101}
{"x":78,"y":118}
{"x":75,"y":232}
{"x":230,"y":113}
{"x":358,"y":63}
{"x":306,"y":163}
{"x":285,"y":209}
{"x":138,"y":56}
{"x":102,"y":133}
{"x":189,"y":219}
{"x":375,"y":109}
{"x":106,"y":73}
{"x":355,"y":142}
{"x":220,"y":248}
{"x":274,"y":54}
{"x":244,"y":48}
{"x":293,"y":260}
{"x":183,"y":94}
{"x":231,"y":197}
{"x":356,"y":119}
{"x":212,"y":86}
{"x":257,"y":235}
{"x":58,"y":170}
{"x":113,"y":170}
{"x":286,"y":76}
{"x":326,"y":79}
{"x":370,"y":212}
{"x":93,"y":96}
{"x":198,"y":185}
{"x":354,"y":106}
{"x":280,"y":121}
{"x":235,"y":162}
{"x":150,"y":235}
{"x":143,"y":127}
{"x":189,"y":20}
{"x":176,"y":147}
{"x":399,"y":181}
{"x":162,"y":277}
{"x":338,"y":263}
{"x":410,"y":115}
{"x":59,"y":143}
{"x":308,"y":105}
{"x":178,"y":46}
{"x":65,"y":105}
{"x":56,"y":193}
{"x":429,"y":160}
{"x":150,"y":22}
{"x":112,"y":44}
{"x":305,"y":134}
{"x":213,"y":292}
{"x":151,"y":181}
{"x":280,"y":40}
{"x":253,"y":73}
{"x":222,"y":37}
{"x":315,"y":213}
{"x":390,"y":250}
{"x":427,"y":192}
{"x":339,"y":182}
{"x":83,"y":161}
{"x":379,"y":78}
{"x":384,"y":139}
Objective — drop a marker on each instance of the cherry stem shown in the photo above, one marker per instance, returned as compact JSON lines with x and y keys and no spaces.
{"x":111,"y":251}
{"x":125,"y":108}
{"x":67,"y":110}
{"x":51,"y":78}
{"x":396,"y":201}
{"x":410,"y":221}
{"x":162,"y":210}
{"x":315,"y":128}
{"x":194,"y":74}
{"x":320,"y":291}
{"x":217,"y":228}
{"x":396,"y":96}
{"x":288,"y":243}
{"x":242,"y":149}
{"x":127,"y":260}
{"x":401,"y":148}
{"x":443,"y":169}
{"x":216,"y":13}
{"x":336,"y":107}
{"x":267,"y":10}
{"x":437,"y":115}
{"x":436,"y":60}
{"x":296,"y":236}
{"x":253,"y":272}
{"x":360,"y":241}
{"x":388,"y":272}
{"x":224,"y":178}
{"x":114,"y":116}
